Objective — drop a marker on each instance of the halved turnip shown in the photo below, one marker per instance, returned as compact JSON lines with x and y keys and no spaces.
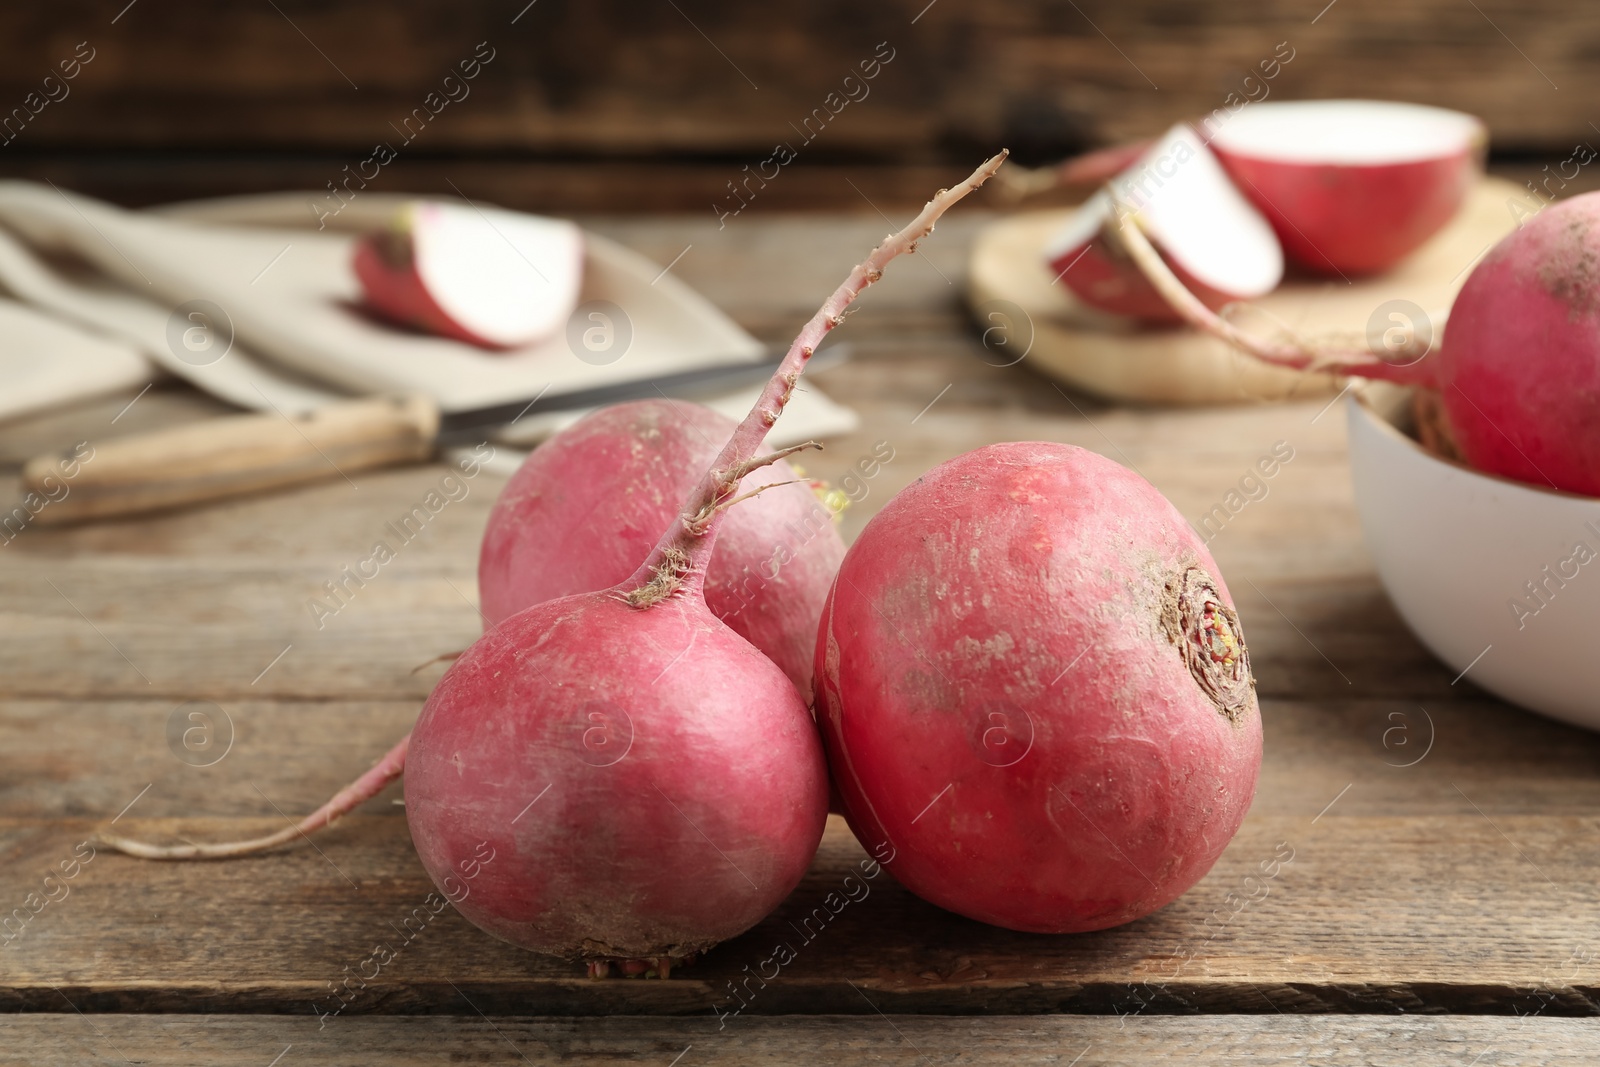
{"x":1351,"y":186}
{"x":1208,"y":233}
{"x":493,"y":278}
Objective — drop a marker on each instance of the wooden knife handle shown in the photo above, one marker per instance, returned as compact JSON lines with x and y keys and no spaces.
{"x":227,"y":457}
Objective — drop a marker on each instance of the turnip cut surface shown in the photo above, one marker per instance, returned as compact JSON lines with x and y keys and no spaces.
{"x":1208,"y":233}
{"x":1035,"y":694}
{"x":486,"y":276}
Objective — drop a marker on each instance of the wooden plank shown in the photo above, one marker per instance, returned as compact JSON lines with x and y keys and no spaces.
{"x":1485,"y":851}
{"x":540,"y":184}
{"x":235,"y":1041}
{"x":237,"y":580}
{"x":728,"y":80}
{"x":565,"y":187}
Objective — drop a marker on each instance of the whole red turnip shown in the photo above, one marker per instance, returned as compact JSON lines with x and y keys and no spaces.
{"x":1518,"y":370}
{"x":1035,"y":693}
{"x":588,"y":505}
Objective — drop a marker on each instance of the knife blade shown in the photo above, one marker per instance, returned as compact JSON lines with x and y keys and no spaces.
{"x":259,"y":452}
{"x":455,"y":427}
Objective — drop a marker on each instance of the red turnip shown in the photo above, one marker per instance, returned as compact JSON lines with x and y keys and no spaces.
{"x":489,"y":277}
{"x":1351,"y":186}
{"x":1518,"y":370}
{"x":1213,"y":239}
{"x":1034,"y":691}
{"x":624,"y":470}
{"x":649,"y":784}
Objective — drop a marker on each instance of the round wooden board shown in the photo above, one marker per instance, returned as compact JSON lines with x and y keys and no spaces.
{"x":1123,"y":360}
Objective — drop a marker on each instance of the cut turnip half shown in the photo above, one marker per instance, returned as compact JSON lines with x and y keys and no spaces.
{"x":1210,"y":235}
{"x":494,"y":278}
{"x":1350,"y":186}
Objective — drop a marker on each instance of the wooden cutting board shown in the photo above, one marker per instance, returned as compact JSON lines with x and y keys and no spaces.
{"x":1010,"y":287}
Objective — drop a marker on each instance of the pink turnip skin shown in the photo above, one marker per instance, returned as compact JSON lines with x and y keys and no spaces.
{"x":1349,"y":218}
{"x":392,"y":287}
{"x":1518,"y":369}
{"x":723,"y":807}
{"x":1026,"y":703}
{"x":588,"y":505}
{"x":710,"y":815}
{"x":1350,"y":186}
{"x":1102,"y":276}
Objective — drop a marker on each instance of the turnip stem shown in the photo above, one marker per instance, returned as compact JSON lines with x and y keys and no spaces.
{"x":679,"y":560}
{"x":1089,"y":169}
{"x":1363,"y":364}
{"x":699,"y":522}
{"x":347,"y":799}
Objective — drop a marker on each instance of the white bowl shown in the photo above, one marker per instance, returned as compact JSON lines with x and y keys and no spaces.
{"x":1455,"y":550}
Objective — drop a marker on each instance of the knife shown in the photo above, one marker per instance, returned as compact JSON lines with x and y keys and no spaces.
{"x":239,"y":454}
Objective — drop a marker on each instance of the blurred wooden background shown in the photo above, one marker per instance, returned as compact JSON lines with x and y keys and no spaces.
{"x":649,"y":105}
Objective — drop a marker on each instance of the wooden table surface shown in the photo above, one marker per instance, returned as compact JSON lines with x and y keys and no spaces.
{"x":1439,"y":908}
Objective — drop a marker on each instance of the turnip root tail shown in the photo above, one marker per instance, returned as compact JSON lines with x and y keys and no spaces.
{"x":678,"y":562}
{"x":1410,"y":368}
{"x":443,"y":657}
{"x":1087,"y":170}
{"x":347,"y":799}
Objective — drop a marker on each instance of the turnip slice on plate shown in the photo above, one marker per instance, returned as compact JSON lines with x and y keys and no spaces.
{"x":494,"y":278}
{"x":1208,"y":233}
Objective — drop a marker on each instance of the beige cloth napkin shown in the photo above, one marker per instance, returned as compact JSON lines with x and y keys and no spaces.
{"x":37,"y":347}
{"x":288,"y":297}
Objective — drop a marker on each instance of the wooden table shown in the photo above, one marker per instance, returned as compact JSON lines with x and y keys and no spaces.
{"x":1440,"y":907}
